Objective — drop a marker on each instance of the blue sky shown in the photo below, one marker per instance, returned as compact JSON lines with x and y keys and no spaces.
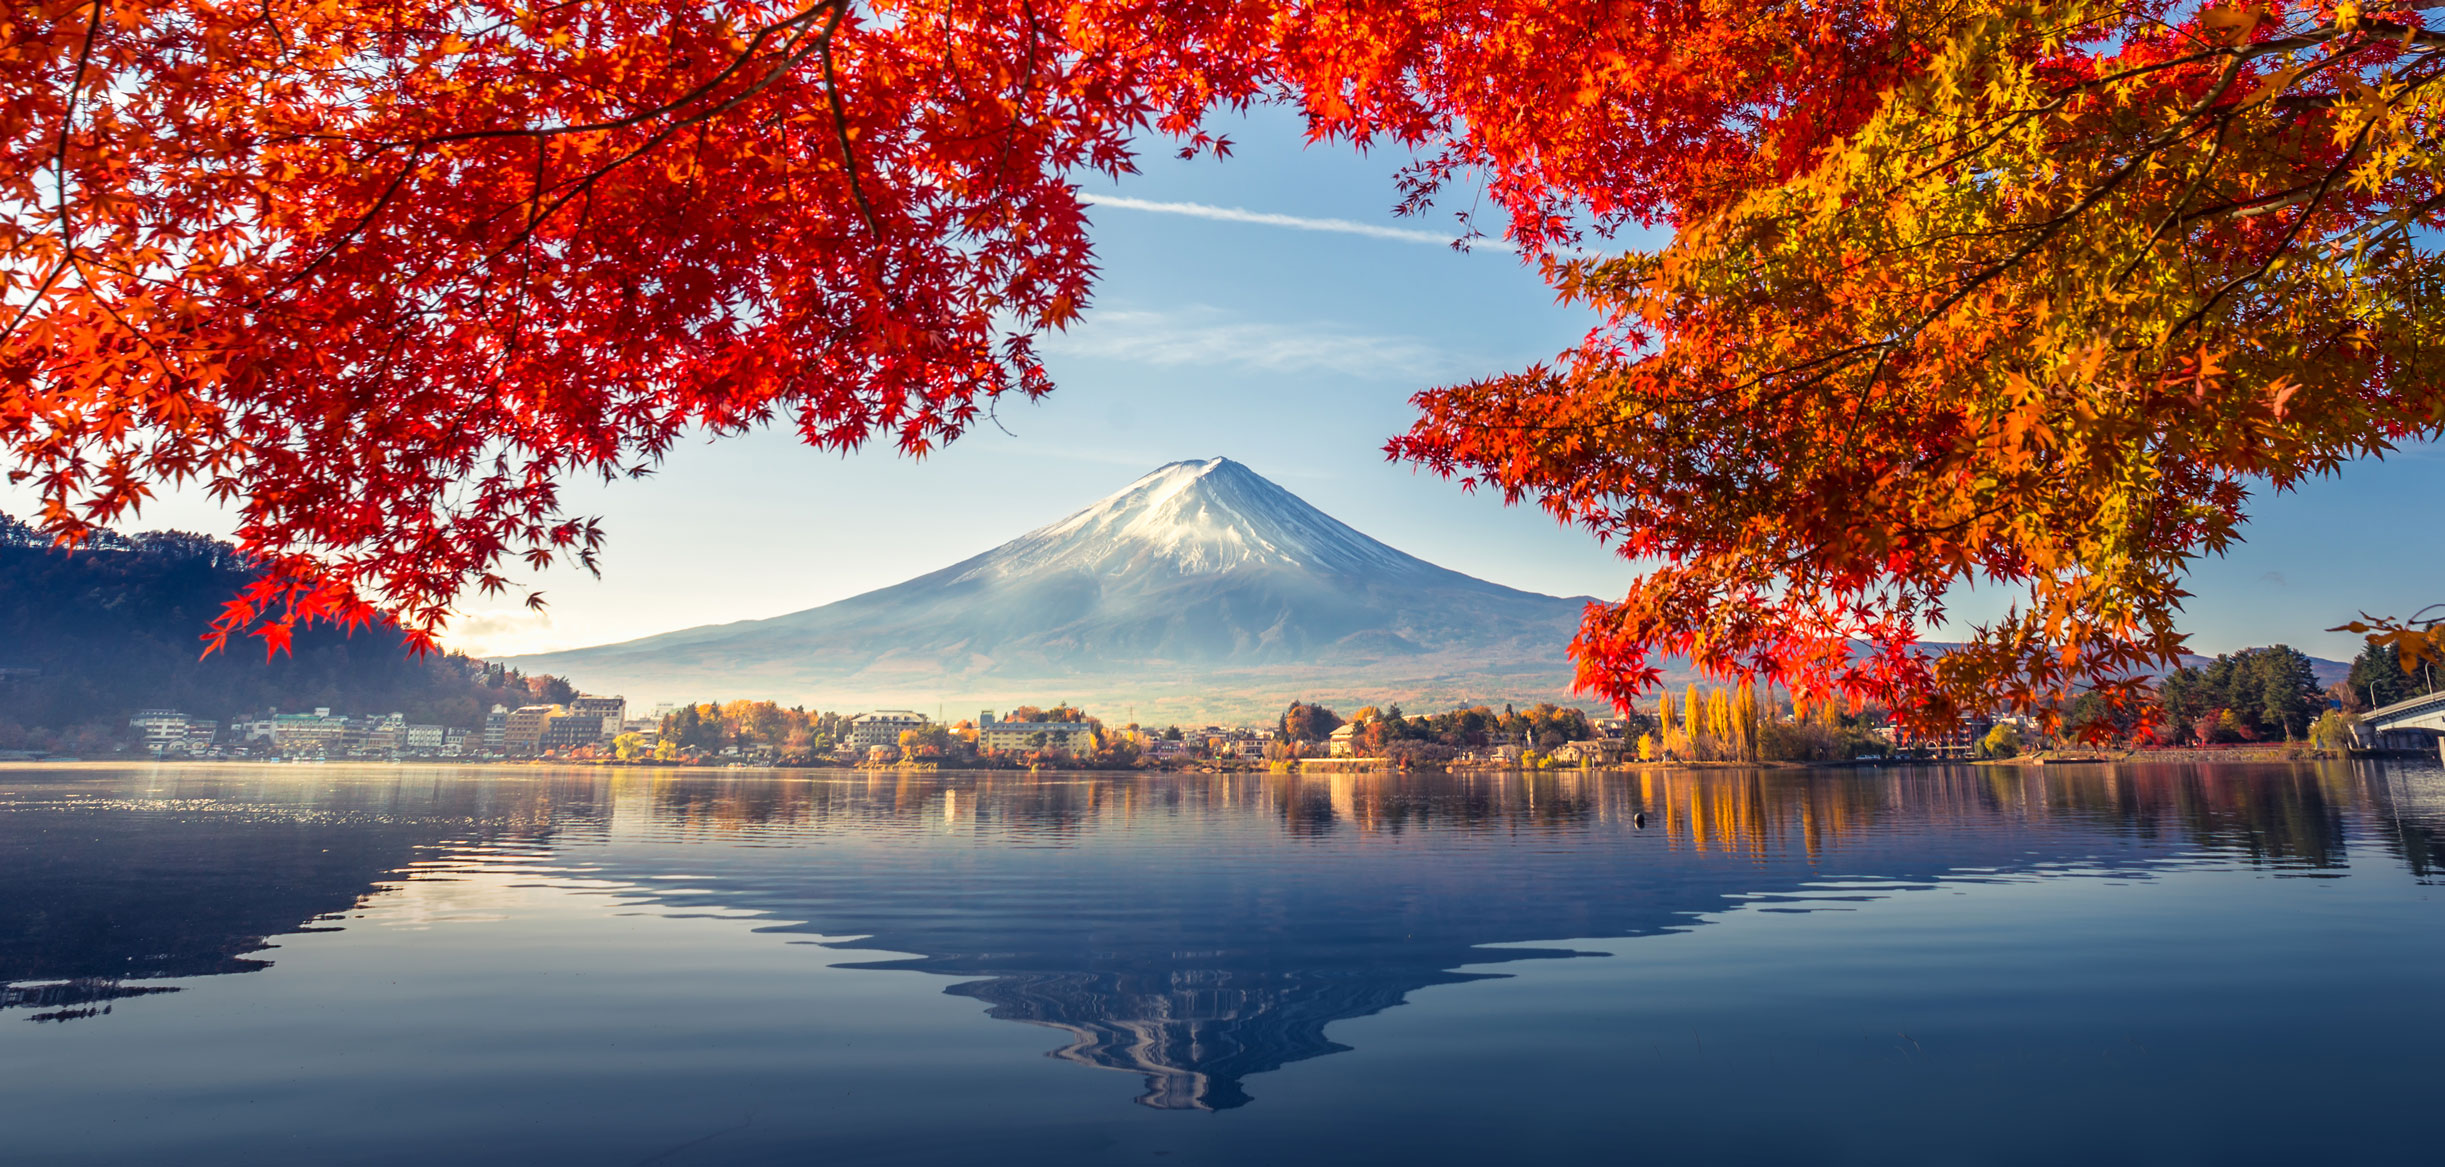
{"x":1294,"y":351}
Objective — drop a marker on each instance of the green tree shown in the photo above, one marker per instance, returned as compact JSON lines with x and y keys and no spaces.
{"x":2286,"y":690}
{"x":691,"y":729}
{"x":2270,"y":692}
{"x":2377,"y":676}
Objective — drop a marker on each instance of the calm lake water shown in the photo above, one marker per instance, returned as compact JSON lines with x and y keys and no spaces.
{"x":321,"y":965}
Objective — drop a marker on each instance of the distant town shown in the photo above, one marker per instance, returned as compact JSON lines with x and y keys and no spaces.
{"x":1719,"y":725}
{"x":2261,"y":697}
{"x":591,"y":728}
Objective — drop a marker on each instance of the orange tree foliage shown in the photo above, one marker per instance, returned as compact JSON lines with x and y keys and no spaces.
{"x":2035,"y":312}
{"x":2019,"y":291}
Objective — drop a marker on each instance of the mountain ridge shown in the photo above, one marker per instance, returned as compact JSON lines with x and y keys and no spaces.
{"x":1201,"y":589}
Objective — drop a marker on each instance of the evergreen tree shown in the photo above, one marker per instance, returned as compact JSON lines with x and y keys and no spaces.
{"x":2287,"y":689}
{"x":2377,"y":676}
{"x":2271,"y":692}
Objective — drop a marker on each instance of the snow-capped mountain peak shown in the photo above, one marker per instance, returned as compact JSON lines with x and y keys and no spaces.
{"x":1197,"y":518}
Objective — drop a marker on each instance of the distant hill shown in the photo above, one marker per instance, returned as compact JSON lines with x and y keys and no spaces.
{"x":1201,"y":590}
{"x":90,"y":636}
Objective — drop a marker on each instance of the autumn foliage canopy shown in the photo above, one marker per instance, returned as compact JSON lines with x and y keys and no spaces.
{"x":2015,"y":292}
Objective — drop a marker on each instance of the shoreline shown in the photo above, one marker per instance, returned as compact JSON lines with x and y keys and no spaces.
{"x":2258,"y":754}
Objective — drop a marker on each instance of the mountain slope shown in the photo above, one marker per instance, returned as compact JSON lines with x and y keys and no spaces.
{"x":1201,"y":589}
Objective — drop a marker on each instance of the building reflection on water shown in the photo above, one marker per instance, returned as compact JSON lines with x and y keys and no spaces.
{"x":1194,"y":929}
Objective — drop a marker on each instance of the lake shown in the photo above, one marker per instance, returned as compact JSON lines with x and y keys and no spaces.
{"x":2214,"y":964}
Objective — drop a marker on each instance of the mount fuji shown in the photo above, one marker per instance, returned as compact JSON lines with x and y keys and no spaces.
{"x":1201,"y":590}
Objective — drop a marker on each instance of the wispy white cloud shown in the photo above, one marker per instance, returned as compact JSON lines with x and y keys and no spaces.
{"x":1295,"y":222}
{"x":1204,"y":336}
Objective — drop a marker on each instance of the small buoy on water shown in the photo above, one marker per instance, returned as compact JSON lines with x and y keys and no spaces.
{"x":1639,"y":819}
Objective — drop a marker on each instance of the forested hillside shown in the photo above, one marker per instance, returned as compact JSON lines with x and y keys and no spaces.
{"x":89,"y":636}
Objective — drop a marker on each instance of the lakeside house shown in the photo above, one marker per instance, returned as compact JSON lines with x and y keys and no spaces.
{"x":610,"y":714}
{"x":534,"y":730}
{"x":1076,"y":737}
{"x":523,"y":733}
{"x":169,"y":732}
{"x":883,"y":728}
{"x":1594,"y":752}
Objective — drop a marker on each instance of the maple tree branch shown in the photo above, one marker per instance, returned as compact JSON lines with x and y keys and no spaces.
{"x":40,"y":290}
{"x":2284,"y":244}
{"x":2251,"y":208}
{"x":1027,"y":82}
{"x":840,"y":126}
{"x":59,"y":163}
{"x":2140,"y":155}
{"x":67,"y":124}
{"x":792,"y":53}
{"x":584,"y":185}
{"x":2173,"y":218}
{"x":390,"y":192}
{"x":271,"y":22}
{"x":59,"y":170}
{"x":112,"y":310}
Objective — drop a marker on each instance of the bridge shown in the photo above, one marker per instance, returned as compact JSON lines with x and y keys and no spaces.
{"x":2405,"y":725}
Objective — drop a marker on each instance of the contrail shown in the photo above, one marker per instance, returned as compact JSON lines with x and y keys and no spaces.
{"x":1265,"y":219}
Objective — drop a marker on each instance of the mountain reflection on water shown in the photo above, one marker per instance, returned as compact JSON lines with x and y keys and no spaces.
{"x":1194,"y":929}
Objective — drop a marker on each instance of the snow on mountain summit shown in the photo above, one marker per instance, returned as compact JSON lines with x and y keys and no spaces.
{"x":1197,"y":518}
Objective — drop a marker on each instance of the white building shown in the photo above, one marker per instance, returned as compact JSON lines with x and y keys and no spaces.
{"x":164,"y":730}
{"x":883,"y":727}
